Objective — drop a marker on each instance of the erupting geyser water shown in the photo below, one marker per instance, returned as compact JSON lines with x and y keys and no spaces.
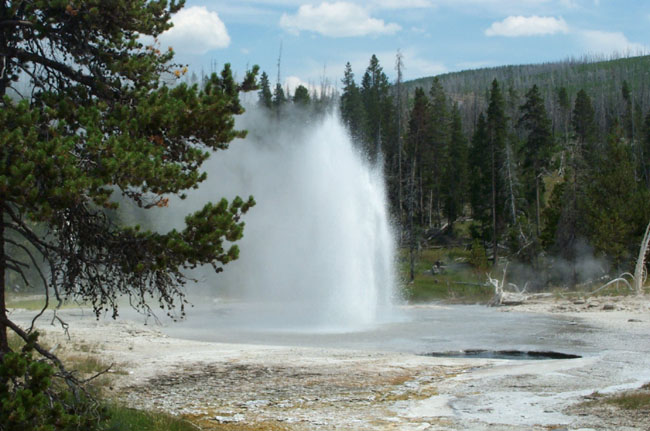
{"x":318,"y":251}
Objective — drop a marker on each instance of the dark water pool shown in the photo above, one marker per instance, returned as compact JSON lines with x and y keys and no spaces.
{"x":504,"y":354}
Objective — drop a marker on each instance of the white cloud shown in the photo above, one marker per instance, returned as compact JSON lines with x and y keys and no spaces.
{"x":196,"y":30}
{"x":415,"y":63}
{"x":293,"y":82}
{"x":514,"y":26}
{"x":402,"y":4}
{"x":604,"y":42}
{"x":417,"y":66}
{"x":339,"y":19}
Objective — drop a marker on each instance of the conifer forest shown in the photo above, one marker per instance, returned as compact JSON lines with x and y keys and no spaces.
{"x":539,"y":165}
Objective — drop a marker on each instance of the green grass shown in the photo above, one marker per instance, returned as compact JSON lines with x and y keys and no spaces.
{"x":458,"y":283}
{"x":638,"y":399}
{"x":128,"y":419}
{"x":85,"y":364}
{"x":631,"y":401}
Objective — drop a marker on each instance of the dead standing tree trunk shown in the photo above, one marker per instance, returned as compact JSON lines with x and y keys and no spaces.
{"x":639,"y":271}
{"x":504,"y":297}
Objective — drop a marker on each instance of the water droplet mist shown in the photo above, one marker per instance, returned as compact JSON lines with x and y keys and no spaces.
{"x":318,"y":249}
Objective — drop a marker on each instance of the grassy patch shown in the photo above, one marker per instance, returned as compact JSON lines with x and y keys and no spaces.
{"x":457,"y":282}
{"x":85,"y":364}
{"x":631,"y":400}
{"x":32,"y":301}
{"x":638,"y":399}
{"x":127,"y":419}
{"x":208,"y":424}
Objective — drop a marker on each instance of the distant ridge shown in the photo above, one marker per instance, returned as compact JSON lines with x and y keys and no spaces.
{"x":601,"y":79}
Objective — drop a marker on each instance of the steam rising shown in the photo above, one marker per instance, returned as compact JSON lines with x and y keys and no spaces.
{"x":318,"y":250}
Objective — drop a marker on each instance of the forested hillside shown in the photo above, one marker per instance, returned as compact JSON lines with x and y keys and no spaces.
{"x":544,"y":164}
{"x":601,"y":79}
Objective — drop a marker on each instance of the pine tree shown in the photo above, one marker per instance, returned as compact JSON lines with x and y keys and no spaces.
{"x":435,"y":157}
{"x":301,"y":96}
{"x":351,"y":107}
{"x":417,"y":139}
{"x":584,"y":127}
{"x":615,"y":207}
{"x":564,"y":105}
{"x":569,"y":229}
{"x":628,"y":111}
{"x":538,"y":148}
{"x":645,"y":152}
{"x":497,"y":124}
{"x":99,"y":128}
{"x":374,"y":97}
{"x":279,"y":98}
{"x":454,"y":185}
{"x":479,"y":175}
{"x":265,"y":95}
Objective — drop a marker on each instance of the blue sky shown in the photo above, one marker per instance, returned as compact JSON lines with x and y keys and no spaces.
{"x":434,"y":36}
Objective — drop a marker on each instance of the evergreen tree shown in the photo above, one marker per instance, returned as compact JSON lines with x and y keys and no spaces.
{"x":279,"y":98}
{"x":645,"y":152}
{"x":375,"y":100}
{"x":615,"y":207}
{"x":568,"y":209}
{"x":435,"y":157}
{"x":100,"y":128}
{"x":538,"y":148}
{"x":454,"y":186}
{"x":628,"y":111}
{"x":351,"y":107}
{"x":301,"y":96}
{"x":564,"y":105}
{"x":584,"y":127}
{"x":265,"y":95}
{"x":497,"y":126}
{"x":479,"y":174}
{"x":418,"y":138}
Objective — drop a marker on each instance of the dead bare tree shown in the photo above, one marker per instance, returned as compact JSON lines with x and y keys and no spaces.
{"x":504,"y":297}
{"x":640,"y":273}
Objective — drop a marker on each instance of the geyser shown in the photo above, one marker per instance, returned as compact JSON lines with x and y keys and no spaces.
{"x":318,"y":251}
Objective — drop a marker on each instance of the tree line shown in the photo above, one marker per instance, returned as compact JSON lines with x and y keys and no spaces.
{"x":534,"y":186}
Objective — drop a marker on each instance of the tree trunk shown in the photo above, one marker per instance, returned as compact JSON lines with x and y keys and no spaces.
{"x":495,"y":252}
{"x":640,"y":262}
{"x":430,"y":207}
{"x":4,"y":343}
{"x":411,"y":223}
{"x":400,"y":198}
{"x":537,"y":204}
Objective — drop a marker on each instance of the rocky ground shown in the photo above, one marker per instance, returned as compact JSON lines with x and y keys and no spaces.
{"x":246,"y":387}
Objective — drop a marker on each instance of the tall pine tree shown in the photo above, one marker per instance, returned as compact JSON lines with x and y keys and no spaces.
{"x":537,"y":149}
{"x":435,"y":157}
{"x":265,"y":97}
{"x":454,"y":184}
{"x":497,"y":133}
{"x":374,"y":96}
{"x":417,"y":141}
{"x":351,"y":107}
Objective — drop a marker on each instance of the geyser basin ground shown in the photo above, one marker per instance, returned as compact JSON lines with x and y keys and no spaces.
{"x":287,"y":387}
